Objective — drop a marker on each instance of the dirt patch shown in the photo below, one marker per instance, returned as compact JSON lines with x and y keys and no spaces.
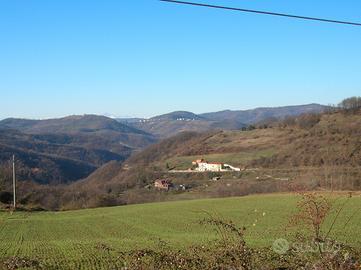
{"x":21,"y":263}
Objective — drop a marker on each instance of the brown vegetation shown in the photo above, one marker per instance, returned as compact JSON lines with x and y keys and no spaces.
{"x":317,"y":151}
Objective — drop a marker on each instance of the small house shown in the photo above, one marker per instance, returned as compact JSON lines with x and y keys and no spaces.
{"x":162,"y":184}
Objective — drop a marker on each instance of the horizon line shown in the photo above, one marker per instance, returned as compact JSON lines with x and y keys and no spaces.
{"x":114,"y":116}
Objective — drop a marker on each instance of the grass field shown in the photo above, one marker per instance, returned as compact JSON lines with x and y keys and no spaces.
{"x":70,"y":240}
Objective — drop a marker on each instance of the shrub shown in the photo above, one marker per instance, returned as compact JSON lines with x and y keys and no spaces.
{"x":6,"y":197}
{"x":232,"y":252}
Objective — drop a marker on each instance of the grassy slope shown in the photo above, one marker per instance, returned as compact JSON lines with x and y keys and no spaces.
{"x":335,"y":140}
{"x":69,"y":239}
{"x":236,"y":159}
{"x":234,"y":147}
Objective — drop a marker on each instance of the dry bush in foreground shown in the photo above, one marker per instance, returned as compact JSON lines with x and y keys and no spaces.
{"x":232,"y":252}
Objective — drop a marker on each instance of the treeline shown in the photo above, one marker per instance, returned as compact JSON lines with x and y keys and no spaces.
{"x":352,"y":104}
{"x":348,"y":106}
{"x":329,"y":141}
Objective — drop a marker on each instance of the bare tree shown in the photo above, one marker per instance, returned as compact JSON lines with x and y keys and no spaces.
{"x":351,"y":104}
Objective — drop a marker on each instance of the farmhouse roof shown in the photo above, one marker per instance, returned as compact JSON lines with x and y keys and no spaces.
{"x":216,"y":163}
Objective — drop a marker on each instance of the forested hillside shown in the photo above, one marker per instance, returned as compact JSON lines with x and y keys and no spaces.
{"x":317,"y":151}
{"x":59,"y":151}
{"x":171,"y":124}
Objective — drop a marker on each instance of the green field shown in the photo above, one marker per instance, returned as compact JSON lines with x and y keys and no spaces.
{"x":70,"y":240}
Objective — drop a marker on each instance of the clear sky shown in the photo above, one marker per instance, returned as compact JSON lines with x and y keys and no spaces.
{"x":145,"y":57}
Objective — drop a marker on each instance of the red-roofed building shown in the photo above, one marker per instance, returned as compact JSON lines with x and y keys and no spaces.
{"x":162,"y":184}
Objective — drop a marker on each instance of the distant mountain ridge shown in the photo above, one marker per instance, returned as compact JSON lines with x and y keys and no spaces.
{"x":178,"y":115}
{"x":67,"y":149}
{"x":260,"y":114}
{"x":69,"y":124}
{"x":70,"y":148}
{"x":170,"y":124}
{"x":313,"y":142}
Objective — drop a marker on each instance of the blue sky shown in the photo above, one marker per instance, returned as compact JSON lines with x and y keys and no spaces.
{"x":144,"y":57}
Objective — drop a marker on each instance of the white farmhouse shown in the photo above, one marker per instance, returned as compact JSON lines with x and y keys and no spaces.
{"x":205,"y":166}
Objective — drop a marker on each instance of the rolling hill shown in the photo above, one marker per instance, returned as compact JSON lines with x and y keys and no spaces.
{"x":306,"y":140}
{"x":81,"y":124}
{"x":64,"y":150}
{"x":315,"y":151}
{"x":178,"y":116}
{"x":170,"y":124}
{"x":49,"y":161}
{"x":87,"y":145}
{"x":260,"y":114}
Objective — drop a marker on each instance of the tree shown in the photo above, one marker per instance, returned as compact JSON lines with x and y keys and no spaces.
{"x":5,"y":176}
{"x":351,"y":104}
